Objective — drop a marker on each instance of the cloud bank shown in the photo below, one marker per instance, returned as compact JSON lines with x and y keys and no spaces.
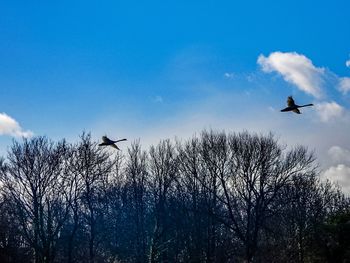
{"x":339,"y":174}
{"x":339,"y":154}
{"x":9,"y":126}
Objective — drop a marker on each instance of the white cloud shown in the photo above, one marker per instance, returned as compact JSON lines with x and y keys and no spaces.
{"x":329,"y":110}
{"x":347,"y":63}
{"x":339,"y":154}
{"x":344,"y":84}
{"x":9,"y":126}
{"x":270,"y":108}
{"x":229,"y":75}
{"x":296,"y":69}
{"x":339,"y":174}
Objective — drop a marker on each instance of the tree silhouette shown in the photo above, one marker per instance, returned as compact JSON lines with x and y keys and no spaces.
{"x":33,"y":179}
{"x":216,"y":197}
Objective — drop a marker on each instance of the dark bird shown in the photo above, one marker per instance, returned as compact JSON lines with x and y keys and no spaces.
{"x":106,"y":142}
{"x":294,"y":107}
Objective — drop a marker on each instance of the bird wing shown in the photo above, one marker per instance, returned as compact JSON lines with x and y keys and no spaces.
{"x":297,"y":111}
{"x":290,"y":102}
{"x":114,"y":146}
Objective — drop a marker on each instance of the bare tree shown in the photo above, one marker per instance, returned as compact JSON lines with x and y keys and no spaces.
{"x":246,"y":175}
{"x":136,"y":174}
{"x":193,"y":198}
{"x":13,"y":247}
{"x":92,"y":167}
{"x":200,"y":162}
{"x":33,"y":178}
{"x":163,"y":172}
{"x":309,"y":203}
{"x":217,"y":197}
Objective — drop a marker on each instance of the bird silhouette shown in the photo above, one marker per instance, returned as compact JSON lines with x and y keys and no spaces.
{"x":294,"y":107}
{"x":107,"y":142}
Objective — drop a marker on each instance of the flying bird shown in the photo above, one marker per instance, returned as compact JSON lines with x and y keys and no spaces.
{"x":294,"y":107}
{"x":108,"y":142}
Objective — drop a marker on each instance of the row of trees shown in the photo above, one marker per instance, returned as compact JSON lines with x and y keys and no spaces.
{"x":214,"y":198}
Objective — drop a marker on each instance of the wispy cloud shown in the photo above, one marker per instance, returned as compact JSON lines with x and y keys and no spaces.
{"x":229,"y":75}
{"x":158,"y":99}
{"x":270,"y":108}
{"x":344,"y":84}
{"x":296,"y":69}
{"x":9,"y":126}
{"x":329,"y":110}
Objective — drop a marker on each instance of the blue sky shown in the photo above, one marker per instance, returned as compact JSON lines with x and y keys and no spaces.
{"x":151,"y":70}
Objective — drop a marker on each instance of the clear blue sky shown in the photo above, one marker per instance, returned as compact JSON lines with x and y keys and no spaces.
{"x":156,"y":69}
